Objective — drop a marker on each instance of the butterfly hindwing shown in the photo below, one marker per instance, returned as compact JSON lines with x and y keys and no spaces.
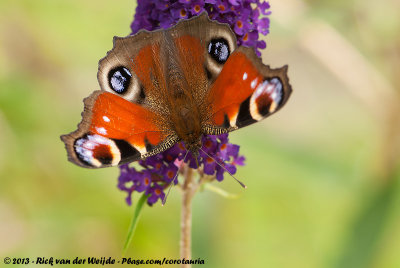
{"x":246,"y":91}
{"x":114,"y":131}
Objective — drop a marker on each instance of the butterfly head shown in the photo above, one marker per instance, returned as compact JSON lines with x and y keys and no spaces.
{"x":193,"y":144}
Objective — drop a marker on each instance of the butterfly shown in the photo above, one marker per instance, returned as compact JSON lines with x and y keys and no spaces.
{"x":166,"y":86}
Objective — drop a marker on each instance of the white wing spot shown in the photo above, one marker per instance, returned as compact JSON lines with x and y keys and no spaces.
{"x":244,"y":76}
{"x":101,"y":130}
{"x":254,"y":83}
{"x":106,"y":119}
{"x":270,"y":88}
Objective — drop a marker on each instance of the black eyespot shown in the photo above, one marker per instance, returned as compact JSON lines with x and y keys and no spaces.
{"x":119,"y":79}
{"x":219,"y":50}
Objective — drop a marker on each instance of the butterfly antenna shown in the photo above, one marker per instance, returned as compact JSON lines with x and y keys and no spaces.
{"x":172,"y":182}
{"x":241,"y":183}
{"x":197,"y":160}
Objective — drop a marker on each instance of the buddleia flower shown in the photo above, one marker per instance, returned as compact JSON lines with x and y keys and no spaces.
{"x":248,"y":19}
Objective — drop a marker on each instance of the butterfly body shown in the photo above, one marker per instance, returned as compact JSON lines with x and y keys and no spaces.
{"x":161,"y":87}
{"x":187,"y":126}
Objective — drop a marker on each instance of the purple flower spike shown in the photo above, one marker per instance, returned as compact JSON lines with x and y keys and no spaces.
{"x":245,"y":17}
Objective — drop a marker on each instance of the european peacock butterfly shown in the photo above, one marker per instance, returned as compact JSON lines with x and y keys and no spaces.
{"x":165,"y":86}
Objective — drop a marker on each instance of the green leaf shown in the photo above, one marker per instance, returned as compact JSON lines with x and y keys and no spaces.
{"x":135,"y":219}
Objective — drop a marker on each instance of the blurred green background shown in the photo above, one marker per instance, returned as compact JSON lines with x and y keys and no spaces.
{"x":322,"y":174}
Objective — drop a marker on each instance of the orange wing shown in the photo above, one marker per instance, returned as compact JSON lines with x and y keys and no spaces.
{"x":114,"y":131}
{"x":245,"y":92}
